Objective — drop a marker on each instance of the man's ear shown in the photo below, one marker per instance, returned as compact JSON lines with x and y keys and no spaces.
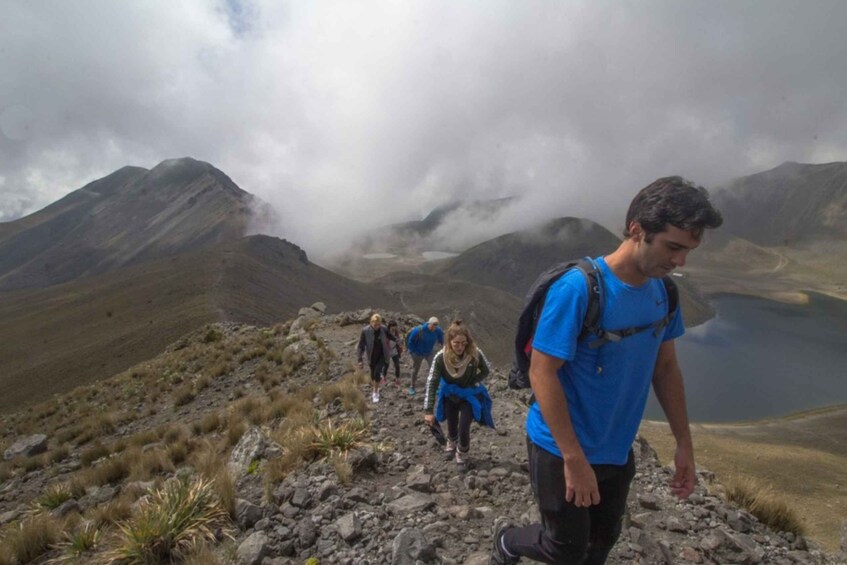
{"x":636,"y":232}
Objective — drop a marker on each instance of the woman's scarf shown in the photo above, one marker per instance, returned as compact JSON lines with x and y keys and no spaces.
{"x":455,"y":366}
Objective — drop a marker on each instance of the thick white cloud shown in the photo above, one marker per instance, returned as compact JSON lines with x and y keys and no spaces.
{"x":347,"y":115}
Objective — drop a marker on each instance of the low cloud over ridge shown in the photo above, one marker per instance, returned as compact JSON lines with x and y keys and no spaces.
{"x":348,"y":115}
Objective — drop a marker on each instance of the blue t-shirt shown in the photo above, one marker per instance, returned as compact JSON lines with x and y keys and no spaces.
{"x":424,"y":344}
{"x":607,"y":387}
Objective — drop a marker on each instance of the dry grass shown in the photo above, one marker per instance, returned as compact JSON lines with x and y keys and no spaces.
{"x":93,"y":453}
{"x":115,"y":511}
{"x":776,"y":452}
{"x":763,"y":503}
{"x":211,"y":422}
{"x":202,"y":555}
{"x":26,"y":541}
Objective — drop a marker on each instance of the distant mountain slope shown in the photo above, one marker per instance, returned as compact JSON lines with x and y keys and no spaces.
{"x":792,"y":204}
{"x":418,"y":235}
{"x":130,"y":216}
{"x":60,"y":337}
{"x":512,"y":262}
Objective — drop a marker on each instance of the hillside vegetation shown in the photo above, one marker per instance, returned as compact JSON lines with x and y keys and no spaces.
{"x":240,"y":443}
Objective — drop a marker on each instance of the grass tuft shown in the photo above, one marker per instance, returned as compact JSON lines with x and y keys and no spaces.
{"x":28,"y":540}
{"x":171,"y":524}
{"x":54,"y":496}
{"x":764,"y":504}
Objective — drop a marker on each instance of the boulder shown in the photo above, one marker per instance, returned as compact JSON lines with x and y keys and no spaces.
{"x":26,"y":447}
{"x":250,"y":447}
{"x":253,"y":550}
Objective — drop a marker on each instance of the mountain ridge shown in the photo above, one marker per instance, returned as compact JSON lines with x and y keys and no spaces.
{"x":127,"y":217}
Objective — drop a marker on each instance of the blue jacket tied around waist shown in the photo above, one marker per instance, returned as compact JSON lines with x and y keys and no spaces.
{"x":477,"y":397}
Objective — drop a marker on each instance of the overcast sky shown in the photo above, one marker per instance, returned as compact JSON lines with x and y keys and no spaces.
{"x":347,"y":115}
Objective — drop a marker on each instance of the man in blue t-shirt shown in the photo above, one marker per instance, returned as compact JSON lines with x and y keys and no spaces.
{"x":590,"y":400}
{"x":421,"y":344}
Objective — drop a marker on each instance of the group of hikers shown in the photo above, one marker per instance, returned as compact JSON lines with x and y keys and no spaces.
{"x":593,"y":338}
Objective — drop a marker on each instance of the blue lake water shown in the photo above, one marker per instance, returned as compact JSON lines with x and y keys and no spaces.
{"x":759,"y":358}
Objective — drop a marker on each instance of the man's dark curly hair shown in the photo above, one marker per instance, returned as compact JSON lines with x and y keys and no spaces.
{"x":672,"y":201}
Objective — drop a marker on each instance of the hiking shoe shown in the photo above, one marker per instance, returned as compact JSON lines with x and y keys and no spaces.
{"x":498,"y":554}
{"x":449,"y":450}
{"x":375,"y":397}
{"x":411,"y":391}
{"x":461,"y":461}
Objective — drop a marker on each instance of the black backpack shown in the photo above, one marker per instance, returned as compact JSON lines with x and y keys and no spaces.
{"x":534,"y":303}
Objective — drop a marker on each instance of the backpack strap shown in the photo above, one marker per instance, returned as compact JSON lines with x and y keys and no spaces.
{"x":607,"y":336}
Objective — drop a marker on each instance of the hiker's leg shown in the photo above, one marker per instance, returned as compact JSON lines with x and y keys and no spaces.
{"x":376,"y":373}
{"x":429,"y":357}
{"x":451,"y":410}
{"x":465,"y":419}
{"x":562,"y":535}
{"x":613,"y":481}
{"x":416,"y":366}
{"x":396,"y":361}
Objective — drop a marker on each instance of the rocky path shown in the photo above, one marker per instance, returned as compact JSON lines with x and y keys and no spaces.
{"x":411,"y":506}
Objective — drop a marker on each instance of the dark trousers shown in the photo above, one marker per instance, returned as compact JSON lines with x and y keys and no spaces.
{"x":396,"y":361}
{"x":377,"y":369}
{"x":569,"y":535}
{"x":459,"y":417}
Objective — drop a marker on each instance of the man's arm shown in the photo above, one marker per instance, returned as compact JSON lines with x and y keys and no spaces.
{"x":580,"y":480}
{"x":670,"y":390}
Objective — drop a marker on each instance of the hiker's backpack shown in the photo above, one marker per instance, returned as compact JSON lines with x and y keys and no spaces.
{"x":416,"y":339}
{"x":534,"y":304}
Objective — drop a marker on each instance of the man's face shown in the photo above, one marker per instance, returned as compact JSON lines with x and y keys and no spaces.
{"x":665,"y":252}
{"x":375,"y":324}
{"x":431,"y":327}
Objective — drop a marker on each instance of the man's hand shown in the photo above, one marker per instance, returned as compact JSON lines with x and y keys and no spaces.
{"x":685,"y":477}
{"x":581,"y":483}
{"x":429,"y":419}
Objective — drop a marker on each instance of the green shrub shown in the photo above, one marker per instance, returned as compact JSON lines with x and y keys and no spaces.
{"x":212,"y":336}
{"x":171,"y":524}
{"x":78,"y":542}
{"x":54,"y":496}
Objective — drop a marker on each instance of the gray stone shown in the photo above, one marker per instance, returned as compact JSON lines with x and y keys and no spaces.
{"x":307,"y":532}
{"x":301,"y":498}
{"x":844,"y":539}
{"x":327,"y":489}
{"x":246,"y":514}
{"x":320,"y":307}
{"x":411,"y":547}
{"x":10,"y":516}
{"x":414,"y":502}
{"x":249,"y":448}
{"x":26,"y":447}
{"x":349,"y":527}
{"x":649,"y":501}
{"x":66,"y":508}
{"x":254,"y":549}
{"x":420,"y":482}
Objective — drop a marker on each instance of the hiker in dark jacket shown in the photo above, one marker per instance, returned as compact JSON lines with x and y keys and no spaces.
{"x":375,"y":343}
{"x":421,"y":342}
{"x":396,"y":351}
{"x":454,"y":391}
